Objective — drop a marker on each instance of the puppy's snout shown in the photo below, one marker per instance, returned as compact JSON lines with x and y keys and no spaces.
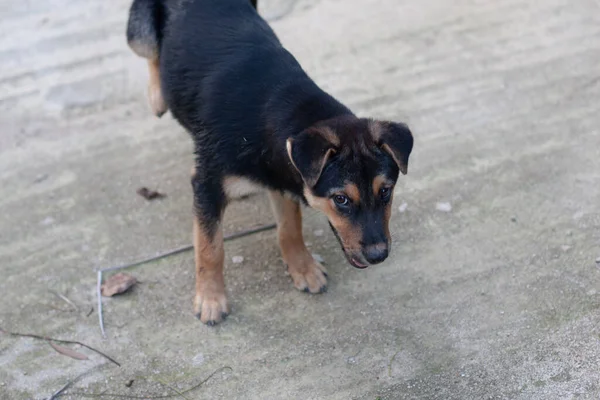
{"x":376,"y":253}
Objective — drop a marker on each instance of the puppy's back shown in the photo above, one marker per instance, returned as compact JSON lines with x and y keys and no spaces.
{"x":219,"y":63}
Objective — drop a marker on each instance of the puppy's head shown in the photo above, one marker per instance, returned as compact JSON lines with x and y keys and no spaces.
{"x":349,"y":167}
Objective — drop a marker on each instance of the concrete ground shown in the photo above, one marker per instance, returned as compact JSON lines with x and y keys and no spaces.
{"x":492,"y":290}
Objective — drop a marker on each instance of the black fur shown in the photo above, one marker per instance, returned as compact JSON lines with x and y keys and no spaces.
{"x":240,"y":94}
{"x":227,"y":79}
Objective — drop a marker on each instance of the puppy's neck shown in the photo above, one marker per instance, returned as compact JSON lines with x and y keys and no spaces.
{"x":299,"y":105}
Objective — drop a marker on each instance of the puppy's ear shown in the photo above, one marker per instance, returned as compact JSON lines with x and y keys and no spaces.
{"x":310,"y":150}
{"x":394,"y":138}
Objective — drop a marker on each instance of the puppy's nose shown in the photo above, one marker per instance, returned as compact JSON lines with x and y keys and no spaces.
{"x":376,"y":253}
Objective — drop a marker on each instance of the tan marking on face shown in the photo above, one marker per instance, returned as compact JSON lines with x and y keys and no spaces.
{"x":379,"y":182}
{"x":210,"y":301}
{"x":353,"y":193}
{"x":236,"y":187}
{"x":387,"y":213}
{"x":349,"y":234}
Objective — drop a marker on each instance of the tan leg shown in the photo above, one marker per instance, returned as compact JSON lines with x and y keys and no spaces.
{"x":308,"y":275}
{"x":210,"y":304}
{"x":155,"y":97}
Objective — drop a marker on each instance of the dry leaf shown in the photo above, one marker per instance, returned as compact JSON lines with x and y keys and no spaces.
{"x":150,"y":194}
{"x":68,"y":352}
{"x":118,"y":283}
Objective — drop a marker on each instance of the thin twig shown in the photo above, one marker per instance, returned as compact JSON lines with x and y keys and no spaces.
{"x":65,"y":299}
{"x":173,"y":389}
{"x":58,"y":308}
{"x":391,"y":362}
{"x":56,"y":394}
{"x":356,"y":355}
{"x":163,"y":255}
{"x":99,"y":294}
{"x":149,"y":259}
{"x":178,"y":250}
{"x":248,"y":232}
{"x":49,"y":339}
{"x":166,"y":396}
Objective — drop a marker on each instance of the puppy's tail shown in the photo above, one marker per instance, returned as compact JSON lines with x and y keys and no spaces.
{"x":145,"y":27}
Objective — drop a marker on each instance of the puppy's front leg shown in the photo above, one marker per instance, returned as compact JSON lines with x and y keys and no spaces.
{"x":308,"y":275}
{"x":210,"y":303}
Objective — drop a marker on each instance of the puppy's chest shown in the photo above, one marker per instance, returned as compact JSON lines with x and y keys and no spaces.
{"x":237,"y":187}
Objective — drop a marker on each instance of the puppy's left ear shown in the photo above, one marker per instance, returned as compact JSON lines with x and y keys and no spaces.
{"x":310,"y":150}
{"x":394,"y":138}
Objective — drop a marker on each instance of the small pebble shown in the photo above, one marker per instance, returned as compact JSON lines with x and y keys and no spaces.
{"x":47,"y":221}
{"x":443,"y":206}
{"x":198,"y":359}
{"x":40,"y":178}
{"x":598,"y":260}
{"x":403,"y":207}
{"x":237,"y":259}
{"x":513,"y":219}
{"x":565,"y":247}
{"x":319,"y":232}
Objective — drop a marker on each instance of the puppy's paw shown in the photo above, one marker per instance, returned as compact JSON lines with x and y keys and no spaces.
{"x":156,"y":100}
{"x":211,"y":306}
{"x":308,"y":275}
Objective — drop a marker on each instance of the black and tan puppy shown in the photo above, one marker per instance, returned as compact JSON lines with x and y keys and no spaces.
{"x":257,"y":119}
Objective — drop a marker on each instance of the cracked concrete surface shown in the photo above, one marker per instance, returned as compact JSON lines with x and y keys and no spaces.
{"x":494,"y":297}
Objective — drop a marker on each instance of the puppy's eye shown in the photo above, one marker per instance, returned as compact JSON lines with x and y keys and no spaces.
{"x":385,"y":192}
{"x":341,"y":200}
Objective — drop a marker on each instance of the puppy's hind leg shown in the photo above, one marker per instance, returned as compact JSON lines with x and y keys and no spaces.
{"x":144,"y":33}
{"x":155,"y":96}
